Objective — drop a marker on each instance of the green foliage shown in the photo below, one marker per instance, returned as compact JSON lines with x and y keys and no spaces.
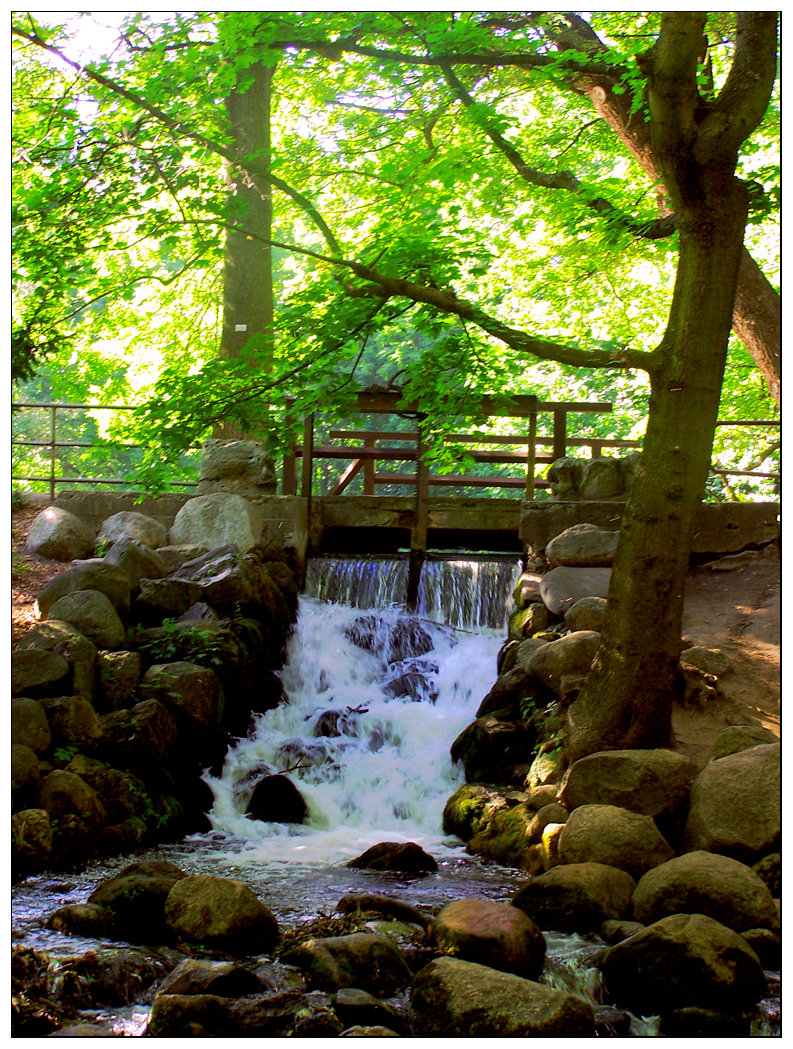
{"x":189,"y":643}
{"x":65,"y":754}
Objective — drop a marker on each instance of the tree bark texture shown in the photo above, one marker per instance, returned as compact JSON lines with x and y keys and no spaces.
{"x":757,"y":319}
{"x":248,"y":300}
{"x":626,"y":701}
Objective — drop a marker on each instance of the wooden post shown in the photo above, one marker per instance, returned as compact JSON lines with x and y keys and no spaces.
{"x":307,"y":467}
{"x":53,"y":452}
{"x":531,"y":456}
{"x":418,"y":534}
{"x":289,"y":481}
{"x":559,"y":433}
{"x":368,"y":469}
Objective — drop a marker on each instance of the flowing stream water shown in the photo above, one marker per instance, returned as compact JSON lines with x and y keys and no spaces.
{"x":375,"y":699}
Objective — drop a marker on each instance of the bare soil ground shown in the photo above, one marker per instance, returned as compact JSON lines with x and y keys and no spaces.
{"x":736,"y":611}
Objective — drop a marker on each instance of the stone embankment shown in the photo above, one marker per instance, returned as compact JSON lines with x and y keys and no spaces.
{"x":145,"y":661}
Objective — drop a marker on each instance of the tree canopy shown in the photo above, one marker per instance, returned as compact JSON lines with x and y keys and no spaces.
{"x":454,"y":213}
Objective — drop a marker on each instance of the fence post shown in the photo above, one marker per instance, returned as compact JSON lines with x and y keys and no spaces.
{"x":531,"y":456}
{"x":53,"y":451}
{"x":290,"y":462}
{"x":418,"y":533}
{"x":368,"y":469}
{"x":307,"y":468}
{"x":559,"y":434}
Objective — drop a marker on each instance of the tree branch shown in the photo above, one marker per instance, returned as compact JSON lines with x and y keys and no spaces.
{"x":188,"y":132}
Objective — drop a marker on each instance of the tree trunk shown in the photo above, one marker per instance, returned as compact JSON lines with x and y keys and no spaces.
{"x":757,"y":318}
{"x":248,"y":300}
{"x":626,"y":701}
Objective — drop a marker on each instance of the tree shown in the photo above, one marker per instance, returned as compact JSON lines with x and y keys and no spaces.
{"x":444,"y":178}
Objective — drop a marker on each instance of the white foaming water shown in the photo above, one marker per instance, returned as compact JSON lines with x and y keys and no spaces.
{"x":365,"y":733}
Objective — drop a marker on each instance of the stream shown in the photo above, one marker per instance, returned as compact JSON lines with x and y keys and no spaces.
{"x":375,"y":699}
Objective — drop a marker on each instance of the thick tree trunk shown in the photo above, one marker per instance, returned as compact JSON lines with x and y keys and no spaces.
{"x":626,"y":701}
{"x":248,"y":301}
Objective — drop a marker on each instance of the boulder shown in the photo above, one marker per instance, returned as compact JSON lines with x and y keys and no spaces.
{"x":493,"y":934}
{"x":239,"y":467}
{"x":684,"y":960}
{"x":530,"y":620}
{"x":740,"y":737}
{"x":36,"y":673}
{"x":375,"y":1031}
{"x":708,"y":660}
{"x":563,"y":665}
{"x":137,"y":561}
{"x":586,"y":614}
{"x":123,"y":794}
{"x":31,"y":836}
{"x":220,"y":913}
{"x":652,"y":782}
{"x":201,"y":976}
{"x":276,"y":799}
{"x":696,"y":1022}
{"x":173,"y":557}
{"x":489,"y":746}
{"x":84,"y":919}
{"x":160,"y":599}
{"x":504,"y":838}
{"x":62,"y":793}
{"x":141,"y":738}
{"x":73,"y":721}
{"x":360,"y":902}
{"x":527,"y":589}
{"x":25,"y":776}
{"x":57,"y":636}
{"x":513,"y":692}
{"x":553,"y":813}
{"x":192,"y":690}
{"x":91,"y":612}
{"x":703,"y":883}
{"x":524,"y":650}
{"x":369,"y":961}
{"x":213,"y":520}
{"x":361,"y":1011}
{"x":577,"y":897}
{"x":562,"y":587}
{"x":117,"y":677}
{"x":767,"y":946}
{"x":131,"y":525}
{"x":395,"y":856}
{"x":582,"y":546}
{"x":615,"y":837}
{"x":94,"y":574}
{"x":470,"y":808}
{"x":136,"y":896}
{"x":59,"y":535}
{"x":735,"y":805}
{"x":613,"y":932}
{"x":29,"y":724}
{"x":453,"y":998}
{"x":769,"y":868}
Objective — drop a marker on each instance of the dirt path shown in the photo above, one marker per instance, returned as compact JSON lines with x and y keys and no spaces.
{"x":736,"y":611}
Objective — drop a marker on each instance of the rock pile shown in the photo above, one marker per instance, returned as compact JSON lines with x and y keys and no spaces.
{"x":144,"y":662}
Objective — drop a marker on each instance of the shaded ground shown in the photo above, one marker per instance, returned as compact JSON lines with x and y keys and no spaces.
{"x":736,"y":611}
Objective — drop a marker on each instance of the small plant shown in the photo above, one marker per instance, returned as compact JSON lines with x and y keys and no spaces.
{"x":65,"y":754}
{"x":177,"y":642}
{"x":102,"y":547}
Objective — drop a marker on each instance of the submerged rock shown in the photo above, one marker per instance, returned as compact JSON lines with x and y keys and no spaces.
{"x":370,"y":962}
{"x":395,"y":856}
{"x":276,"y":799}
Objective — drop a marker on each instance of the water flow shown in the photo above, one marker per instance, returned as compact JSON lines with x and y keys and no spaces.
{"x":375,"y":700}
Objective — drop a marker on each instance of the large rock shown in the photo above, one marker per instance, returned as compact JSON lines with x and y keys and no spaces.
{"x":93,"y":615}
{"x":740,"y":737}
{"x":137,"y":561}
{"x":371,"y":962}
{"x":160,"y":599}
{"x":460,"y":999}
{"x":652,"y":782}
{"x":29,"y":724}
{"x":583,"y":546}
{"x":577,"y":897}
{"x":117,"y":677}
{"x":31,"y":836}
{"x":238,"y":467}
{"x":25,"y":776}
{"x":735,"y":805}
{"x":94,"y":574}
{"x":704,"y":883}
{"x":276,"y":799}
{"x":123,"y":794}
{"x":513,"y":692}
{"x":60,"y":535}
{"x":586,"y":614}
{"x":62,"y":793}
{"x":131,"y":525}
{"x":36,"y":673}
{"x":220,"y":913}
{"x":563,"y":665}
{"x":504,"y":838}
{"x":613,"y":836}
{"x":395,"y":856}
{"x":562,"y":587}
{"x":214,"y":520}
{"x":141,"y":737}
{"x":136,"y":896}
{"x":202,"y":976}
{"x":494,"y":934}
{"x":684,"y":960}
{"x":73,"y":721}
{"x":55,"y":635}
{"x":489,"y":746}
{"x":192,"y":690}
{"x":470,"y":808}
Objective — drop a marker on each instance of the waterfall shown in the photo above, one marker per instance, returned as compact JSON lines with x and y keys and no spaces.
{"x":375,"y":697}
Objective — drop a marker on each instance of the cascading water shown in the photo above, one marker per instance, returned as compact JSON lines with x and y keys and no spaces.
{"x":374,"y":702}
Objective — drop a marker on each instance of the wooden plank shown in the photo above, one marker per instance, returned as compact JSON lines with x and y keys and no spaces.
{"x":584,"y":407}
{"x":459,"y":481}
{"x":531,"y":456}
{"x":377,"y":435}
{"x":347,"y":476}
{"x":368,"y":470}
{"x":559,"y":432}
{"x":322,"y":451}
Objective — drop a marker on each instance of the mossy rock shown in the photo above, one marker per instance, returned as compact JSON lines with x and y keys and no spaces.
{"x":505,"y":838}
{"x":470,"y":809}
